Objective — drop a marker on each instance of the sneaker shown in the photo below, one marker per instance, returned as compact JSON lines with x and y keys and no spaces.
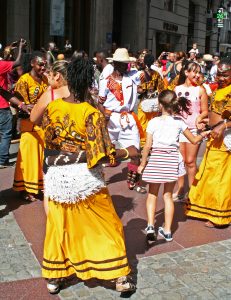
{"x":166,"y":236}
{"x":150,"y":231}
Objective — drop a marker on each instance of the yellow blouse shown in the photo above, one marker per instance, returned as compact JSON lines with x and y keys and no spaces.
{"x":29,"y":91}
{"x":77,"y":126}
{"x":221,"y":100}
{"x":155,"y":83}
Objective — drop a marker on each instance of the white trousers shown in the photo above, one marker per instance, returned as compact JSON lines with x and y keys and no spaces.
{"x":123,"y":130}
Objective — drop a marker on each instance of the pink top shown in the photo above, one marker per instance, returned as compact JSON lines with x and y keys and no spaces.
{"x":192,"y":93}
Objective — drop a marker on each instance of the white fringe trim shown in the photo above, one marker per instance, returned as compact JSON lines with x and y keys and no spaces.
{"x":72,"y":183}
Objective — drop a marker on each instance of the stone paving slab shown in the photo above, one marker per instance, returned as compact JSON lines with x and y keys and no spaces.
{"x":17,"y":261}
{"x":202,"y":272}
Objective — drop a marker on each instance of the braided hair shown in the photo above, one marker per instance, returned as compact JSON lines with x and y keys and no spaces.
{"x":80,"y":76}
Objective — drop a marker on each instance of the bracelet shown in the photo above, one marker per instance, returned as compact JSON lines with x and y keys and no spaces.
{"x":127,"y":153}
{"x":21,"y":104}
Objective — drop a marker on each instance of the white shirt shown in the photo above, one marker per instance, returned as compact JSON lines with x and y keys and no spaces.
{"x":166,"y":130}
{"x":129,"y":83}
{"x":107,"y":70}
{"x":213,"y":73}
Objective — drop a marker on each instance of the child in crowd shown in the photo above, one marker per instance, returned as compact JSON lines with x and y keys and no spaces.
{"x":163,"y":165}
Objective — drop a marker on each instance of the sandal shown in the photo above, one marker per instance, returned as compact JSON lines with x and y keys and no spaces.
{"x":209,"y":224}
{"x":140,"y":189}
{"x":53,"y":286}
{"x":29,"y":198}
{"x":125,"y":284}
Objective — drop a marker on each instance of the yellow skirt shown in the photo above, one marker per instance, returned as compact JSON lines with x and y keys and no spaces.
{"x":85,"y":239}
{"x":210,"y":194}
{"x":144,"y":118}
{"x":28,"y":173}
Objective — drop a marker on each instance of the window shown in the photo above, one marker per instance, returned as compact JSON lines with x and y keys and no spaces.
{"x":169,"y":5}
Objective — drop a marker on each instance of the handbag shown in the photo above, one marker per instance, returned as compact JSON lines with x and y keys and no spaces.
{"x":150,"y":103}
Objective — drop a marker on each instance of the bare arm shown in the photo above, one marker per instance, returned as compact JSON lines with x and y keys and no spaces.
{"x":204,"y":109}
{"x":40,"y":107}
{"x":195,"y":139}
{"x":146,"y":150}
{"x":17,"y":62}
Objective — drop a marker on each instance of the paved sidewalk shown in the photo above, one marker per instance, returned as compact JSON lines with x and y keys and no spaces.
{"x":195,"y":265}
{"x":201,"y":273}
{"x":17,"y":261}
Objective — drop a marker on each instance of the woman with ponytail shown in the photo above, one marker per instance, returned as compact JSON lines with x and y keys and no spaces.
{"x":163,"y":166}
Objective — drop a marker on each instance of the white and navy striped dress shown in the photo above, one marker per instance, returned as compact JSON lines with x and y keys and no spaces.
{"x":163,"y":164}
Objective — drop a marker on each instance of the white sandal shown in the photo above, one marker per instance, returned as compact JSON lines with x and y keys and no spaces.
{"x":124,"y":284}
{"x":53,"y":288}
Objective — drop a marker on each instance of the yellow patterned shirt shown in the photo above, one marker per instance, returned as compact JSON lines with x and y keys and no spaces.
{"x":153,"y":82}
{"x":77,"y":126}
{"x":29,"y":91}
{"x":221,"y":100}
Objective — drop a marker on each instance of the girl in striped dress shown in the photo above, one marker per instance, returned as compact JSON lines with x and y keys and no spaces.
{"x":163,"y":165}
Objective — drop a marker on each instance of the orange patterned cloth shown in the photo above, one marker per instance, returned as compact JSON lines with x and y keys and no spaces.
{"x":116,"y":89}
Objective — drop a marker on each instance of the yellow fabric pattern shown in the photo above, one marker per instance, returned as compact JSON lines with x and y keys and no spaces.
{"x":221,"y":100}
{"x":156,"y":83}
{"x":73,"y":127}
{"x":28,"y":89}
{"x":85,"y":239}
{"x":210,"y":194}
{"x":171,"y":86}
{"x":28,"y":172}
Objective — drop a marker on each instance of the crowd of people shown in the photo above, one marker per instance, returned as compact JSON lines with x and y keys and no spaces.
{"x":79,"y":114}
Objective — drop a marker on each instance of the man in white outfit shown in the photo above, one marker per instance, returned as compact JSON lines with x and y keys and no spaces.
{"x":117,"y":99}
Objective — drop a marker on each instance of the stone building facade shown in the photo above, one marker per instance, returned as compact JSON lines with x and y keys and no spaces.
{"x":158,"y":25}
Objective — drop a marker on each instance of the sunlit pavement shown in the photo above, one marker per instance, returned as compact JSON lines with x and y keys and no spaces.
{"x":195,"y":265}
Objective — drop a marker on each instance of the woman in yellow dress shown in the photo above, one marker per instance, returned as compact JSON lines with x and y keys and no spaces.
{"x":28,"y":177}
{"x":84,"y":235}
{"x":57,"y":79}
{"x":210,"y":193}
